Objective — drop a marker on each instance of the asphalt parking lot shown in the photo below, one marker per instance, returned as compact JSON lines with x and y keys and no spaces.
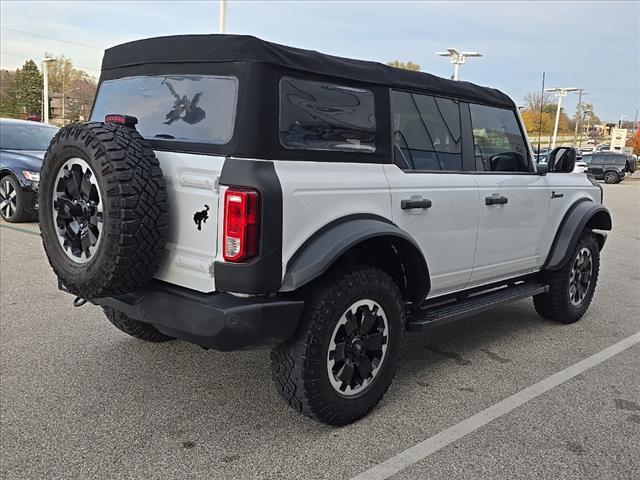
{"x":79,"y":399}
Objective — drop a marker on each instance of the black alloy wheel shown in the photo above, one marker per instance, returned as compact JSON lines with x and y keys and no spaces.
{"x":77,"y":210}
{"x":357,"y":348}
{"x":580,"y":276}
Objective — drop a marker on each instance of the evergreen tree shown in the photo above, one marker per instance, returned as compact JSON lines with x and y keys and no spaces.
{"x":8,"y":100}
{"x":29,"y":88}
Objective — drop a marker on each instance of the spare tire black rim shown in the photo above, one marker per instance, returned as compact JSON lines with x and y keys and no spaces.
{"x":358,"y":347}
{"x":77,"y":210}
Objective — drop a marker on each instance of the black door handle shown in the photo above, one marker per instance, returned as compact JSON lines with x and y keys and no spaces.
{"x":410,"y":203}
{"x":501,"y":200}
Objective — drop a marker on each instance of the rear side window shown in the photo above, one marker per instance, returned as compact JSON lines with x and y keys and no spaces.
{"x":323,"y":116}
{"x":498,"y":142}
{"x":190,"y":108}
{"x":426,"y":132}
{"x":617,"y":159}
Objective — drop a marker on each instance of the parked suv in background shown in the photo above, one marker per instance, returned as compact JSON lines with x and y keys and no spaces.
{"x":238,"y":194}
{"x":607,"y":166}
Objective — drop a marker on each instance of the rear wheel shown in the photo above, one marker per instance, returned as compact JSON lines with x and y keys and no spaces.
{"x":13,"y":204}
{"x":134,"y":328}
{"x":345,"y":353}
{"x":572,"y":287}
{"x":611,"y":177}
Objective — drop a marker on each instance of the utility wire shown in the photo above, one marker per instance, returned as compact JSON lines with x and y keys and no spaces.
{"x":93,"y":69}
{"x":51,"y":38}
{"x":14,"y":54}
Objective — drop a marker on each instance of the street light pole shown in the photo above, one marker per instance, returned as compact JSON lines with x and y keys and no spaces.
{"x":63,"y":98}
{"x":620,"y":121}
{"x":560,"y":93}
{"x":578,"y":114}
{"x":45,"y":88}
{"x":587,"y":114}
{"x":457,"y":58}
{"x":222,"y":17}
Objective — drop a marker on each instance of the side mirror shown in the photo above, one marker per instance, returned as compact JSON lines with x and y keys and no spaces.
{"x":562,"y":160}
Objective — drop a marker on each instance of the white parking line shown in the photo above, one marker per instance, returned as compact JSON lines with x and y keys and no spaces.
{"x":425,"y":448}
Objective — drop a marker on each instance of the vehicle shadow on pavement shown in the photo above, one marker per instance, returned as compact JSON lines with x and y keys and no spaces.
{"x":451,"y":341}
{"x":235,"y":389}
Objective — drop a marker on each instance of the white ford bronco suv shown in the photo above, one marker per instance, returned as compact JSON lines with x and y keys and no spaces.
{"x":239,"y":194}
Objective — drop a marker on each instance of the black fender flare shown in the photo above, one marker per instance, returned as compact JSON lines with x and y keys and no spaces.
{"x":329,"y":243}
{"x":582,"y":214}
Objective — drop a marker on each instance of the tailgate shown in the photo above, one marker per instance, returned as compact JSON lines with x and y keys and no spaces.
{"x":192,"y":187}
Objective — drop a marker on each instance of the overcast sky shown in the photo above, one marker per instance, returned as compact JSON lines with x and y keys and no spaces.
{"x":593,"y":45}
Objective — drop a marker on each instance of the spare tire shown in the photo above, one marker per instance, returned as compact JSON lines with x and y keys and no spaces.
{"x":103,"y":209}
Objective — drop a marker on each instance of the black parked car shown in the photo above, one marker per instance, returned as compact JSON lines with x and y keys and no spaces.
{"x":607,"y":166}
{"x":22,"y":148}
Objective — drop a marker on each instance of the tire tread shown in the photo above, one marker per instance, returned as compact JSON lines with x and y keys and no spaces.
{"x":555,"y":305}
{"x":135,"y":203}
{"x":135,"y":328}
{"x":295,"y":363}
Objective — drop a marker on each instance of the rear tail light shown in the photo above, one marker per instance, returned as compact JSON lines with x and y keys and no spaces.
{"x":241,"y":221}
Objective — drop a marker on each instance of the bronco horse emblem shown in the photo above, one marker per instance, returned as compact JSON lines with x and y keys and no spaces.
{"x":201,"y":216}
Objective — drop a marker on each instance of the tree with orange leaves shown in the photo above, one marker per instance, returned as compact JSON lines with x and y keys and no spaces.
{"x":634,"y":142}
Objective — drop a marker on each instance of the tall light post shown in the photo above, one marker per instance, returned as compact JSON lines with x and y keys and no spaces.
{"x":560,"y":93}
{"x":587,"y":115}
{"x":45,"y":88}
{"x":457,"y":58}
{"x":620,"y":121}
{"x":581,"y":92}
{"x":222,"y":17}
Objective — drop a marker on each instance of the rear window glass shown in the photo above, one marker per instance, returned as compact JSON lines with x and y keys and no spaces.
{"x":324,"y":116}
{"x":191,"y":108}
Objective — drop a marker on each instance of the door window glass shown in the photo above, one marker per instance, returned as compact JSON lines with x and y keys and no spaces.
{"x":498,"y":142}
{"x":426,"y":132}
{"x":323,"y":116}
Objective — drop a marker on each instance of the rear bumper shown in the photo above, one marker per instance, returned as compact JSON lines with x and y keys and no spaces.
{"x":213,"y":320}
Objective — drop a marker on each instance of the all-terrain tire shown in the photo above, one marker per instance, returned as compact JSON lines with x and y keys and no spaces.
{"x":556,"y":304}
{"x":299,"y":366}
{"x":134,"y":203}
{"x":134,"y":328}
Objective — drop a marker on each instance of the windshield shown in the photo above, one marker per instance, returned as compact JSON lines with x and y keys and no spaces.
{"x":25,"y":137}
{"x":193,"y":108}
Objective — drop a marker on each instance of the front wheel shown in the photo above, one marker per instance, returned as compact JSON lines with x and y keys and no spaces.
{"x":345,"y":353}
{"x":13,"y":204}
{"x":571,"y":288}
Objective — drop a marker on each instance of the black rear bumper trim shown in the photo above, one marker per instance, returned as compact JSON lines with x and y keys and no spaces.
{"x":220,"y":321}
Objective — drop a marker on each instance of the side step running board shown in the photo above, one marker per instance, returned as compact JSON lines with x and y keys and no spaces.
{"x":439,"y":314}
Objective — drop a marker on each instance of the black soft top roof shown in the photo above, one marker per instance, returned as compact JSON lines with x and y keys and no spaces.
{"x":184,"y":49}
